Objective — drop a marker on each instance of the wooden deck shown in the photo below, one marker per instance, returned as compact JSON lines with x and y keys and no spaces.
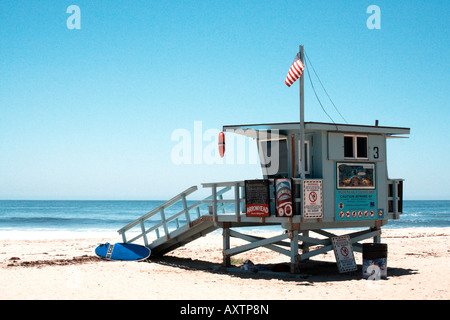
{"x":294,"y":240}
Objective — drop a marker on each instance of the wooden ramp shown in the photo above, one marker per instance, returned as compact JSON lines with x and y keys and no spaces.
{"x":159,"y":237}
{"x":183,"y":235}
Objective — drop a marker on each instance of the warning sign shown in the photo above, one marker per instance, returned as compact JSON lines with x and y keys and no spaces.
{"x":312,"y":199}
{"x":344,"y":253}
{"x":312,"y":196}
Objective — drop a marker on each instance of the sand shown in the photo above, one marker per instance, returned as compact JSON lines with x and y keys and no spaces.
{"x":418,"y":263}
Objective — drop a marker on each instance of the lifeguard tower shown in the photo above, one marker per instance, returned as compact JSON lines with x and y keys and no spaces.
{"x":315,"y":177}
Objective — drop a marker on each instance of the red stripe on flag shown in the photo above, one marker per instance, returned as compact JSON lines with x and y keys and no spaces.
{"x":295,"y":72}
{"x":298,"y":66}
{"x":293,"y":75}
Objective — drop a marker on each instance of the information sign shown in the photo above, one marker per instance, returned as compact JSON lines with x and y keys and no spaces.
{"x":343,"y":252}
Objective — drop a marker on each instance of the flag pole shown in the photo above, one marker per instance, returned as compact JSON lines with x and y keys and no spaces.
{"x":302,"y":119}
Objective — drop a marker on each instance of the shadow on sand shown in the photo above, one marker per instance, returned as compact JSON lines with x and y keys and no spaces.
{"x":310,"y":271}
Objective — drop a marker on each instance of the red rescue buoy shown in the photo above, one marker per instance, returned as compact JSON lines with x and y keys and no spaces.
{"x":221,"y":144}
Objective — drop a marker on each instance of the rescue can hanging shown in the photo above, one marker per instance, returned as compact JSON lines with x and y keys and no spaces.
{"x":222,"y":144}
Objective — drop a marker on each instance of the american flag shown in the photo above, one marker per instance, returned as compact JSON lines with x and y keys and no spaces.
{"x":295,"y":71}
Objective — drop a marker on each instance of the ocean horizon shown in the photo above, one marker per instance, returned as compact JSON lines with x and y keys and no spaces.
{"x":59,"y":219}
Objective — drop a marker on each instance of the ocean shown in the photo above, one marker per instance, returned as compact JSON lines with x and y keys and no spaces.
{"x":20,"y":219}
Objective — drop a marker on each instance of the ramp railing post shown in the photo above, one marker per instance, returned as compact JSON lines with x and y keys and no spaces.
{"x":163,"y":219}
{"x":237,"y":202}
{"x":186,"y":210}
{"x":144,"y":234}
{"x":244,"y":203}
{"x":222,"y":205}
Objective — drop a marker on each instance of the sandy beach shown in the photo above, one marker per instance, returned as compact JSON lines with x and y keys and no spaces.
{"x":418,"y":259}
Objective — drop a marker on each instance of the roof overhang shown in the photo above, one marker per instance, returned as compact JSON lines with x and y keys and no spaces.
{"x":282,"y":129}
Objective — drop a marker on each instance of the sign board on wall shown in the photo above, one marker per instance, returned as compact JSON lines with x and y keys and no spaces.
{"x":283,"y":198}
{"x":312,"y":199}
{"x":257,"y":199}
{"x":356,"y":192}
{"x":343,"y":252}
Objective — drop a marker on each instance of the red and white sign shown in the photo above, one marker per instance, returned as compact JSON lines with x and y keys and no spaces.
{"x":312,"y":199}
{"x":343,"y":252}
{"x":258,"y":210}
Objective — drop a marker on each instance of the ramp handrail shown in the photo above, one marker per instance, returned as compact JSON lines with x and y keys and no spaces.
{"x":164,"y":219}
{"x":160,"y":209}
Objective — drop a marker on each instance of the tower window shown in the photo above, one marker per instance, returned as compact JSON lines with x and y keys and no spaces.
{"x":355,"y":147}
{"x":361,"y":147}
{"x":348,"y":147}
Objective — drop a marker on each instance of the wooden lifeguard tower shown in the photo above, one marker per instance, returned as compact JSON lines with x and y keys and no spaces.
{"x":336,"y":176}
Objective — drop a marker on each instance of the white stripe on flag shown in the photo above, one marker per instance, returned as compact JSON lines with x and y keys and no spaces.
{"x":295,"y":71}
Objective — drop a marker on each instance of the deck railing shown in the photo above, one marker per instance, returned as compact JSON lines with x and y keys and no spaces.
{"x":238,"y":197}
{"x":216,"y":200}
{"x":395,"y":197}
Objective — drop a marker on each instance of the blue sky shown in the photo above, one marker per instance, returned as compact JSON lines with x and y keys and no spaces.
{"x":89,"y":113}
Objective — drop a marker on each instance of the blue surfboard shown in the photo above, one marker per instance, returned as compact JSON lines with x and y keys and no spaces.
{"x":122,"y":251}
